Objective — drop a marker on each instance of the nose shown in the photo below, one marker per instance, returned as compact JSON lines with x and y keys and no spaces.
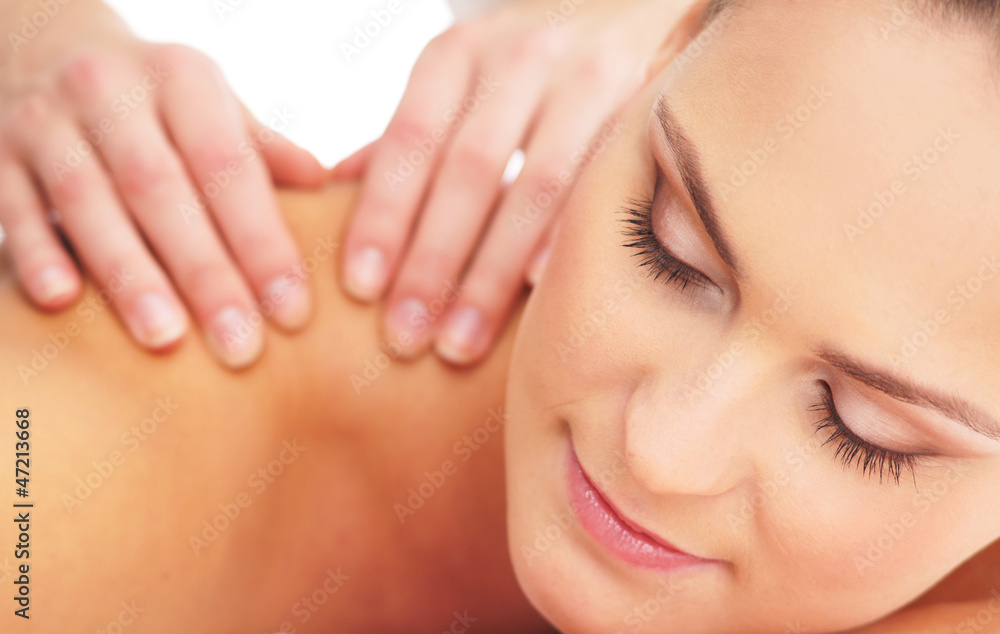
{"x":686,"y":441}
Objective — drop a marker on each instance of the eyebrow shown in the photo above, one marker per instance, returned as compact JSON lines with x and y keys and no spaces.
{"x":689,"y":165}
{"x":909,"y":392}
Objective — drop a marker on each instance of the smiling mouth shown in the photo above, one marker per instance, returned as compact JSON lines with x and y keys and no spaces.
{"x":615,"y":533}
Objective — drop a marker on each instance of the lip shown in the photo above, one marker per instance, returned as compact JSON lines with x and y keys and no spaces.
{"x":617,"y":534}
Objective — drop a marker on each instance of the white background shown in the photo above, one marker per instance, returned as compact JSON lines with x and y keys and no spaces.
{"x":288,"y":53}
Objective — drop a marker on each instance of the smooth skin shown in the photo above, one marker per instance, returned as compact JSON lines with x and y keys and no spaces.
{"x":542,"y":76}
{"x":158,"y":173}
{"x":696,"y":407}
{"x":349,"y":457}
{"x":332,"y":508}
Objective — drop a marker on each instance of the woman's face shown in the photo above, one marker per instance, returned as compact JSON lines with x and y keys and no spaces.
{"x":792,"y":374}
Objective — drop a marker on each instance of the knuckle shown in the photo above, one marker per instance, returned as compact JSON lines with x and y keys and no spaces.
{"x":212,"y":156}
{"x":87,"y":77}
{"x":543,"y":180}
{"x":34,"y":110}
{"x":407,"y":128}
{"x":533,"y":45}
{"x":475,"y":162}
{"x":69,"y":189}
{"x":145,"y":173}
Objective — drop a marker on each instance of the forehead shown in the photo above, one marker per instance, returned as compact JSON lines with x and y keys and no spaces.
{"x":857,"y":165}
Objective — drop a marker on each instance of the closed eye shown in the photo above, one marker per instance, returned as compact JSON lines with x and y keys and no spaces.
{"x":637,"y":216}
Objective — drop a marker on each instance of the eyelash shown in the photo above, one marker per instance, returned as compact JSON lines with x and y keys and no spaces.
{"x":852,"y":449}
{"x":639,"y":234}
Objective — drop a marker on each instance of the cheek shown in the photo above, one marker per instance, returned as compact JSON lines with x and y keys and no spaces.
{"x":580,"y":316}
{"x":828,"y":538}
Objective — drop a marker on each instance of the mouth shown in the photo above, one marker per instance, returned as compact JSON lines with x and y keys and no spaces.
{"x":617,"y":534}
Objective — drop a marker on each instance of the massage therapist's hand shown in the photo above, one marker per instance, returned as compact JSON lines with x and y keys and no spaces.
{"x":161,"y":180}
{"x":537,"y":75}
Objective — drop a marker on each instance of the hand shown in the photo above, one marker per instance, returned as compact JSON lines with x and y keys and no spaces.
{"x":526,"y":77}
{"x":156,"y":172}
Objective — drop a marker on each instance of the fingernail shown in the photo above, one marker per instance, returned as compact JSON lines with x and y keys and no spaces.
{"x":156,"y":322}
{"x":463,"y":336}
{"x":287,"y":301}
{"x":366,"y":274}
{"x":408,"y":324}
{"x":52,"y":283}
{"x":235,"y":339}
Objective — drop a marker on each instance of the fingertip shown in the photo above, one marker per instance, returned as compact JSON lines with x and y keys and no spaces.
{"x":289,"y":303}
{"x":298,"y":168}
{"x":366,"y":274}
{"x":235,"y":339}
{"x":54,"y":286}
{"x":464,"y":339}
{"x":407,"y":327}
{"x":156,"y":322}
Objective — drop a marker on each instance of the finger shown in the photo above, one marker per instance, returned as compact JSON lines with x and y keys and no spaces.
{"x":538,"y":262}
{"x":290,"y":165}
{"x":402,"y":164}
{"x":210,"y":133}
{"x":95,"y":223}
{"x":156,"y":189}
{"x":354,"y":166}
{"x":497,"y":275}
{"x":462,"y":198}
{"x":45,"y":269}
